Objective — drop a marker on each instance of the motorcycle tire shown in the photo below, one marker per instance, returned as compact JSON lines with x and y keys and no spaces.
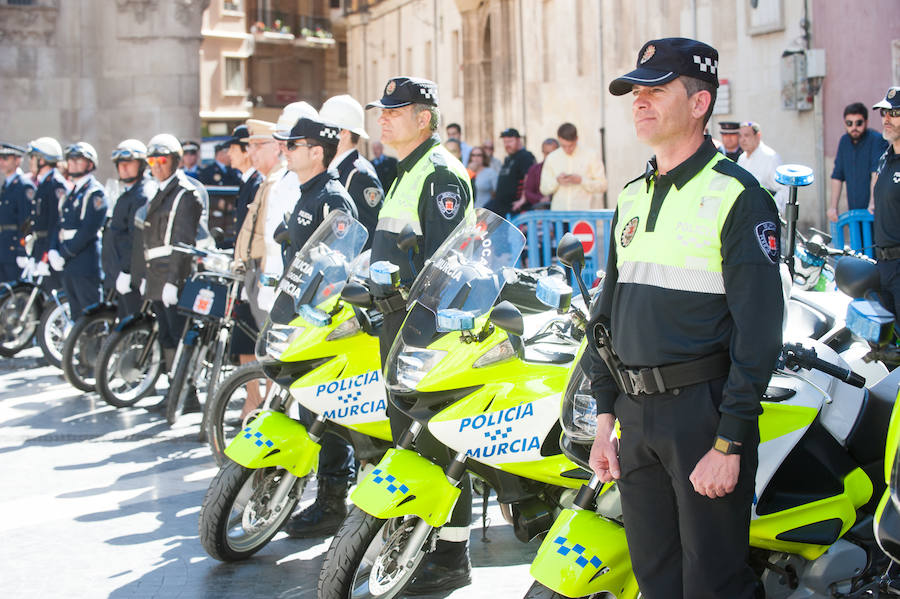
{"x":539,"y":591}
{"x":354,"y":554}
{"x":82,"y":347}
{"x":180,"y":384}
{"x":53,"y":330}
{"x":223,"y":421}
{"x":235,"y":521}
{"x":16,"y":329}
{"x":120,"y":381}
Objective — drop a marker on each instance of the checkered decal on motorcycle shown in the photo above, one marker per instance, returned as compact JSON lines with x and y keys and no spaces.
{"x":498,"y":434}
{"x":389,"y":482}
{"x":257,"y":437}
{"x":578,"y":550}
{"x":350,"y":397}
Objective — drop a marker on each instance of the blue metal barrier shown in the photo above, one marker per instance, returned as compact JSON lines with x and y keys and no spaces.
{"x":544,"y":228}
{"x":859,"y":227}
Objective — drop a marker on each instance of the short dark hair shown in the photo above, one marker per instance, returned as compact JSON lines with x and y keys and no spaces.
{"x":354,"y":138}
{"x":694,"y":85}
{"x":567,"y":131}
{"x":857,"y":108}
{"x":458,"y":128}
{"x":329,"y":151}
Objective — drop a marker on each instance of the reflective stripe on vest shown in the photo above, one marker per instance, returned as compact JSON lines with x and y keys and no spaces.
{"x":401,"y":206}
{"x":684,"y":252}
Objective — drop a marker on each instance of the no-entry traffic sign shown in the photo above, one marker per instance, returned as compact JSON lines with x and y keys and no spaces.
{"x":585,"y":234}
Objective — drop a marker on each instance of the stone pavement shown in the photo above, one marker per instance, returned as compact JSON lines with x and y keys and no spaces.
{"x":100,"y":502}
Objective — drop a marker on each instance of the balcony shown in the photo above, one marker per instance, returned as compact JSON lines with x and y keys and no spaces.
{"x":300,"y":30}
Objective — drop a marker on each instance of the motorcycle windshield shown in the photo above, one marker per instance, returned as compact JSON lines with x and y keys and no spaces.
{"x":320,"y":269}
{"x":466,"y":271}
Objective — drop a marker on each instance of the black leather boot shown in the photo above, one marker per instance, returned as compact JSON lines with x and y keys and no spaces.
{"x":446,"y":568}
{"x":325,"y":515}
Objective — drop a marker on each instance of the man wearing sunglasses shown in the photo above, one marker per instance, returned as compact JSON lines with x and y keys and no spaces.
{"x":75,"y":240}
{"x":886,"y":195}
{"x":857,"y":158}
{"x":309,"y":147}
{"x":172,"y":217}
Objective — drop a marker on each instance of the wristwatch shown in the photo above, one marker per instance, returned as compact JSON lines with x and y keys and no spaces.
{"x":726,"y":446}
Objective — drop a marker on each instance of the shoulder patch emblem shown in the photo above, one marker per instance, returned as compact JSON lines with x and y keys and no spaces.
{"x":99,"y":201}
{"x":768,"y":240}
{"x":628,"y":231}
{"x":29,"y":193}
{"x":372,"y":196}
{"x":448,"y":204}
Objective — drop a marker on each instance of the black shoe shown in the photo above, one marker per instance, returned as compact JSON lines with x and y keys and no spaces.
{"x":192,"y":403}
{"x":324,"y":517}
{"x":435,"y":578}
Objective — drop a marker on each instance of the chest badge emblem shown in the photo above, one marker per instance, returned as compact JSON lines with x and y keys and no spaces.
{"x":628,"y":231}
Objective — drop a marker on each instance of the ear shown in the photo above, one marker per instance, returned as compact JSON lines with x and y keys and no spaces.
{"x":700,"y":103}
{"x":423,"y":119}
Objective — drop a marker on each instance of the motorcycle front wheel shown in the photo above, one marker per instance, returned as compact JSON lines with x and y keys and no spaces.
{"x":539,"y":591}
{"x":82,"y":346}
{"x":362,"y":563}
{"x":16,"y":328}
{"x":223,"y":411}
{"x":124,"y":375}
{"x":237,"y":518}
{"x":55,"y":325}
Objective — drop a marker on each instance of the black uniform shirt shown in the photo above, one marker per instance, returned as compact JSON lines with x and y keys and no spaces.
{"x":119,"y":233}
{"x":509,"y":182}
{"x":358,"y":177}
{"x":318,"y":196}
{"x":887,"y":200}
{"x":655,"y":326}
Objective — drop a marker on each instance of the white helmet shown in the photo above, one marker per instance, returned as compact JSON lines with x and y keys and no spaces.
{"x":346,"y":113}
{"x":291,"y":114}
{"x":130,"y":149}
{"x":82,"y":149}
{"x":164,"y":144}
{"x":46,"y":148}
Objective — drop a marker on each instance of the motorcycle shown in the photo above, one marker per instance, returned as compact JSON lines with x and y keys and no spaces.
{"x":320,"y":353}
{"x":482,"y":396}
{"x":83,"y":343}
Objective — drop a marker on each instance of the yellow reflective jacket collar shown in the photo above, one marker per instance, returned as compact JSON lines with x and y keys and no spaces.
{"x":687,"y":170}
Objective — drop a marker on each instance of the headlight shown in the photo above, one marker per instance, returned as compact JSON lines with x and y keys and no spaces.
{"x":407,"y":366}
{"x":499,"y":353}
{"x":579,"y":409}
{"x":217,"y":262}
{"x":279,"y":338}
{"x":345,"y":329}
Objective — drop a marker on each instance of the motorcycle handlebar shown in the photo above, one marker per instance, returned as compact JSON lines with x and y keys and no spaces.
{"x":807,"y":358}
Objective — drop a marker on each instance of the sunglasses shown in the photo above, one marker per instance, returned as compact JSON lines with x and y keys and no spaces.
{"x":154,"y":160}
{"x":857,"y":122}
{"x":292,"y":145}
{"x":891,"y":112}
{"x":125,"y":155}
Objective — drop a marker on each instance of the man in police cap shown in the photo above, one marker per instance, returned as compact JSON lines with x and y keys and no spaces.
{"x":693,"y":301}
{"x":44,"y":154}
{"x":130,"y":158}
{"x":355,"y":173}
{"x":190,"y":158}
{"x":220,"y":171}
{"x":239,"y":154}
{"x":16,"y":201}
{"x":432,"y":194}
{"x":729,"y":131}
{"x":75,"y":238}
{"x":886,"y":195}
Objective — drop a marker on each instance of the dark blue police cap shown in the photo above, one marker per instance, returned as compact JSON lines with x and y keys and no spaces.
{"x":11,"y":150}
{"x":307,"y":128}
{"x":240,"y":135}
{"x":190,"y":146}
{"x":403,"y":91}
{"x":891,"y":99}
{"x":661,"y":61}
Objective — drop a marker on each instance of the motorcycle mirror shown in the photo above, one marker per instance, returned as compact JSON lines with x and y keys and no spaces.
{"x":357,"y":295}
{"x":826,"y":237}
{"x":407,"y":240}
{"x":855,"y":276}
{"x":507,"y":317}
{"x":816,"y":246}
{"x":570,"y":251}
{"x":555,"y":293}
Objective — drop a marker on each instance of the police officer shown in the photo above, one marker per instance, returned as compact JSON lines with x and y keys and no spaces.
{"x":239,"y":153}
{"x":729,"y":131}
{"x":887,"y":202}
{"x":219,"y":171}
{"x":75,"y":238}
{"x":190,"y":158}
{"x":172,"y":217}
{"x":309,"y":147}
{"x":130,"y":158}
{"x":355,"y":173}
{"x":16,"y":201}
{"x":693,"y":302}
{"x":44,"y":154}
{"x":432,"y":193}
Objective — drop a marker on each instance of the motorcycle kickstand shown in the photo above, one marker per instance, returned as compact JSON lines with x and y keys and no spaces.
{"x":486,"y":494}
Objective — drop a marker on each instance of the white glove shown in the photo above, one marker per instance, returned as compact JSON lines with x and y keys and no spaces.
{"x":22,"y":261}
{"x":244,"y":295}
{"x":169,"y":295}
{"x":143,"y":286}
{"x":56,"y":261}
{"x":42,"y":269}
{"x":265,"y":299}
{"x":123,"y":283}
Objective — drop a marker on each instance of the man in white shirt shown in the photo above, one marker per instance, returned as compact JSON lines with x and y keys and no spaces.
{"x":761,"y":161}
{"x":572,"y":174}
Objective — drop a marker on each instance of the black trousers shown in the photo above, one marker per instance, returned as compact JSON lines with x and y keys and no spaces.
{"x":171,"y":325}
{"x":682,"y":544}
{"x":82,"y":291}
{"x":889,"y":273}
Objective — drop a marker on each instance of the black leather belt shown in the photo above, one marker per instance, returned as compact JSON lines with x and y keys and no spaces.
{"x":891,"y":253}
{"x":389,"y":305}
{"x":659,"y":379}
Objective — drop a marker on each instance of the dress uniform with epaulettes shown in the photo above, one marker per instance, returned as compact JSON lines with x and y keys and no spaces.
{"x":16,"y":205}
